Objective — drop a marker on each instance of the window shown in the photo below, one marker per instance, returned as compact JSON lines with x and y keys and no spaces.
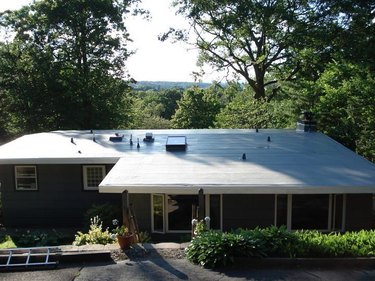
{"x":173,"y":213}
{"x":158,"y":213}
{"x":180,"y":211}
{"x":281,"y":210}
{"x":324,"y":212}
{"x":92,"y":177}
{"x":310,"y":211}
{"x":26,"y":178}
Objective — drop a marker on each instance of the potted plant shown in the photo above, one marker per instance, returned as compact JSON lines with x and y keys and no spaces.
{"x":123,"y":235}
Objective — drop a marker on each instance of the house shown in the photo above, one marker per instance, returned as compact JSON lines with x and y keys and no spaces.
{"x":239,"y":178}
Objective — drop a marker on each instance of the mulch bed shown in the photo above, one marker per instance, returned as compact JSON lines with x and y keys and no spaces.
{"x":136,"y":254}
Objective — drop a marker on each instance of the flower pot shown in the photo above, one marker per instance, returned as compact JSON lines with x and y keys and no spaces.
{"x":125,"y":241}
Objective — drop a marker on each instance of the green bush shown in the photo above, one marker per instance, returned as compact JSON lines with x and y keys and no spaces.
{"x":95,"y":235}
{"x":215,"y":248}
{"x":36,"y":238}
{"x":277,"y":242}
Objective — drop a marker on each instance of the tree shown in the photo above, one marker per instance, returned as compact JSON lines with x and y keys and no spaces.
{"x":65,"y":66}
{"x":345,"y":110}
{"x":258,"y":39}
{"x":197,"y":109}
{"x":267,"y":42}
{"x":245,"y":112}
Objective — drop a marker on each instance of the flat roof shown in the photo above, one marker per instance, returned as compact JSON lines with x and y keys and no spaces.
{"x":291,"y":162}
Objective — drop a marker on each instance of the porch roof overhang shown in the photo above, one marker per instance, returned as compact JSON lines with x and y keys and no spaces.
{"x":182,"y":173}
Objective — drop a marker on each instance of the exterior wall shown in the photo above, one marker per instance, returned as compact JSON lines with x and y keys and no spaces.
{"x":59,"y":201}
{"x":248,"y":211}
{"x":359,"y":212}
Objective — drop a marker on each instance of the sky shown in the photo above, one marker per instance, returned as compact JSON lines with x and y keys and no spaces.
{"x":153,"y":60}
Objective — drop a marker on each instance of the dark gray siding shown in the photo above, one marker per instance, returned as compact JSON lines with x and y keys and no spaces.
{"x":248,"y":211}
{"x":59,"y":201}
{"x":359,"y":211}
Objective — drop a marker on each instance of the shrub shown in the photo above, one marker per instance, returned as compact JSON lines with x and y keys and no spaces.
{"x":36,"y":238}
{"x":276,"y":241}
{"x":144,"y":237}
{"x":215,"y":248}
{"x":95,"y":235}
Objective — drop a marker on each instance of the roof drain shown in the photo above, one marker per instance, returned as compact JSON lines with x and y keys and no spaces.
{"x":244,"y":156}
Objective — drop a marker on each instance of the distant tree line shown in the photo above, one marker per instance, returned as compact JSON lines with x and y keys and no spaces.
{"x":62,"y":67}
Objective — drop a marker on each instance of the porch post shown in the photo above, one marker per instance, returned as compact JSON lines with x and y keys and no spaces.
{"x":201,"y":210}
{"x":125,"y":208}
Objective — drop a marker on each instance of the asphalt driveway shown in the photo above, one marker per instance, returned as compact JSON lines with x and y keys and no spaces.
{"x":180,"y":269}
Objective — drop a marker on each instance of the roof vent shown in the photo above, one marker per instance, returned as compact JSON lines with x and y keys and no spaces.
{"x":116,"y":138}
{"x":306,"y":122}
{"x":149,"y":138}
{"x":176,"y":143}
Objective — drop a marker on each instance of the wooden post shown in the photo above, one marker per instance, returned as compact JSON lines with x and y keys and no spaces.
{"x":201,"y":209}
{"x":125,"y":208}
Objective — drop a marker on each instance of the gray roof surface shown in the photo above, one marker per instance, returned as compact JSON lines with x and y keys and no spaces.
{"x":292,"y":162}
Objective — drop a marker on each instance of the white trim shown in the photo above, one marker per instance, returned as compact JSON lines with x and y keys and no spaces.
{"x":18,"y":176}
{"x":176,"y":189}
{"x":84,"y":174}
{"x":152,"y":212}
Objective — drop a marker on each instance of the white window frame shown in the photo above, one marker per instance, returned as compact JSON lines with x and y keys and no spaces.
{"x":17,"y":176}
{"x":331,"y":206}
{"x":152,"y":213}
{"x":84,"y":172}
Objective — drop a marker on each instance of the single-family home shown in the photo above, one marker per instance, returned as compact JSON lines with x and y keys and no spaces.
{"x":238,"y":177}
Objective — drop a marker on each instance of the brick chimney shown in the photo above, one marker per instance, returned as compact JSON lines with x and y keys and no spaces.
{"x":306,"y":122}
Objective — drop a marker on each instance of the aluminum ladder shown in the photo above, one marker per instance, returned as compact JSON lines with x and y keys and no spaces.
{"x":26,"y":257}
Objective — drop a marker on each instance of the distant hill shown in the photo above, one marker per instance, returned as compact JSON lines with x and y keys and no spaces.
{"x":160,"y":85}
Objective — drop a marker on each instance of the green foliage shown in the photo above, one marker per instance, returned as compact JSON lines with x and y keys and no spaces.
{"x":95,"y":235}
{"x":197,"y":109}
{"x":215,"y":248}
{"x":7,"y":242}
{"x":200,"y":227}
{"x":345,"y":110}
{"x":106,"y":212}
{"x":36,"y":238}
{"x":144,"y":237}
{"x":121,"y":231}
{"x":259,"y":41}
{"x":153,"y":109}
{"x":64,"y":67}
{"x":245,"y":112}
